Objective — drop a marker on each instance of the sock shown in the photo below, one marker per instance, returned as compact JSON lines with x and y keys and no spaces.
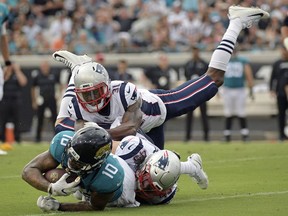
{"x":187,"y":168}
{"x":221,"y":56}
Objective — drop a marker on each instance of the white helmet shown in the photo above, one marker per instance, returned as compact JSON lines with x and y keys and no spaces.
{"x":160,"y":171}
{"x":92,"y":86}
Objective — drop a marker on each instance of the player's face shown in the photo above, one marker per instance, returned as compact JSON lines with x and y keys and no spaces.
{"x":92,"y":96}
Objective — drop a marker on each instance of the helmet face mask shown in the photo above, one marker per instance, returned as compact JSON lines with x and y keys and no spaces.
{"x":159,"y":173}
{"x":92,"y":86}
{"x":87,"y":150}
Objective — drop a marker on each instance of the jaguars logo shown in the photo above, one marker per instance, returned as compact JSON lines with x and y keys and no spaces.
{"x":102,"y":152}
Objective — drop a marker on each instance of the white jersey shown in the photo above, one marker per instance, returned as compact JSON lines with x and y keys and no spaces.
{"x":124,"y":94}
{"x":128,"y":196}
{"x":134,"y":151}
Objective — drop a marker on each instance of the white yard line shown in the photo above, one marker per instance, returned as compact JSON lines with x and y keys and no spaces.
{"x":232,"y":196}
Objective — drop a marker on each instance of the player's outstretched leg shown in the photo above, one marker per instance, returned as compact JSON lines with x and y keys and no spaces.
{"x":240,"y":18}
{"x":198,"y":175}
{"x":69,"y":59}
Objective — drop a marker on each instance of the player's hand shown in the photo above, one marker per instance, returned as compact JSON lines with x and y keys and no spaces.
{"x":62,"y":188}
{"x":286,"y":43}
{"x":47,"y":203}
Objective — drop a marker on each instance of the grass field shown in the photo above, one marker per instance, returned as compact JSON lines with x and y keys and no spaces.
{"x":245,"y":179}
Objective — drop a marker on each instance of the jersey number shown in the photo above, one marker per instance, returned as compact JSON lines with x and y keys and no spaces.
{"x":110,"y":171}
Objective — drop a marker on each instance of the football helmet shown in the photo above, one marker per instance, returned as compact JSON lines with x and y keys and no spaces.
{"x":92,"y":86}
{"x":159,"y":172}
{"x":88,"y":149}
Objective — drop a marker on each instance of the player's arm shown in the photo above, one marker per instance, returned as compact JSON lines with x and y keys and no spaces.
{"x":97,"y":202}
{"x":33,"y":171}
{"x":284,"y":32}
{"x":131,"y":122}
{"x":5,"y":50}
{"x":249,"y":78}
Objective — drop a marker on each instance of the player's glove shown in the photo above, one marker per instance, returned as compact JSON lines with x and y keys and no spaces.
{"x":62,"y":188}
{"x":47,"y":203}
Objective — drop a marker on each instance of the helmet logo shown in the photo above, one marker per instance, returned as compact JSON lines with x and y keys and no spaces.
{"x":163,"y":161}
{"x":99,"y":68}
{"x":102,"y":151}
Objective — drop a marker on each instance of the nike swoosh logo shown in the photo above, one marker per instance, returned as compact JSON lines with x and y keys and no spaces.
{"x":63,"y":191}
{"x":70,"y":106}
{"x":129,"y":148}
{"x":259,"y":14}
{"x":62,"y":59}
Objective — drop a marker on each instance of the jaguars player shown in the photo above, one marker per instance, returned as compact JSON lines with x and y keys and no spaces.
{"x":100,"y":101}
{"x":4,"y":14}
{"x":101,"y":174}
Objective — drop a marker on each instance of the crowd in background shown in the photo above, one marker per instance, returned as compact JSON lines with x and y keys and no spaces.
{"x":90,"y":26}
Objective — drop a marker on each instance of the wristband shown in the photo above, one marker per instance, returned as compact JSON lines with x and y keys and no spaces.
{"x":8,"y":63}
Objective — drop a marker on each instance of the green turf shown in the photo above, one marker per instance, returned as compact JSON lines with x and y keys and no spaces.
{"x":245,"y":179}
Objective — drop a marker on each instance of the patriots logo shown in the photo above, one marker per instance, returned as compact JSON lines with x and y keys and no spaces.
{"x":163,"y":161}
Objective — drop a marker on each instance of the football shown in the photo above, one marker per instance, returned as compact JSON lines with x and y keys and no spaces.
{"x":55,"y":174}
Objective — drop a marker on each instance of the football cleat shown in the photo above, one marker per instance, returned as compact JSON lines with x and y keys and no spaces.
{"x":199,"y":175}
{"x":3,"y":152}
{"x":69,"y":59}
{"x":248,"y":15}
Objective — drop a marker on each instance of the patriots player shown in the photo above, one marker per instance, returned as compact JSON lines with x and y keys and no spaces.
{"x":98,"y":100}
{"x":157,"y":171}
{"x":100,"y":174}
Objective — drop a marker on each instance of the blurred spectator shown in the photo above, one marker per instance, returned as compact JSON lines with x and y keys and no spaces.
{"x":59,"y":29}
{"x":44,"y":96}
{"x":278,"y":79}
{"x":195,"y":68}
{"x":140,"y":26}
{"x":284,"y":32}
{"x":12,"y":101}
{"x":31,"y":29}
{"x":107,"y":27}
{"x":238,"y":72}
{"x":176,"y":19}
{"x":83,"y":44}
{"x":122,"y":72}
{"x":158,"y":77}
{"x":47,"y":7}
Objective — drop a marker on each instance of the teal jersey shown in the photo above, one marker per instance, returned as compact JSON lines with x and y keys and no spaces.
{"x":235,"y":74}
{"x":4,"y":13}
{"x":107,"y":179}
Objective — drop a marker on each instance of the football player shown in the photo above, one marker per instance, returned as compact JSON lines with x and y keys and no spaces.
{"x":157,"y":171}
{"x":87,"y":154}
{"x":98,"y":100}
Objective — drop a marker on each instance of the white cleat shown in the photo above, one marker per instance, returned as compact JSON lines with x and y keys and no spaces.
{"x":248,"y":15}
{"x":199,"y":176}
{"x":69,"y":59}
{"x":3,"y":152}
